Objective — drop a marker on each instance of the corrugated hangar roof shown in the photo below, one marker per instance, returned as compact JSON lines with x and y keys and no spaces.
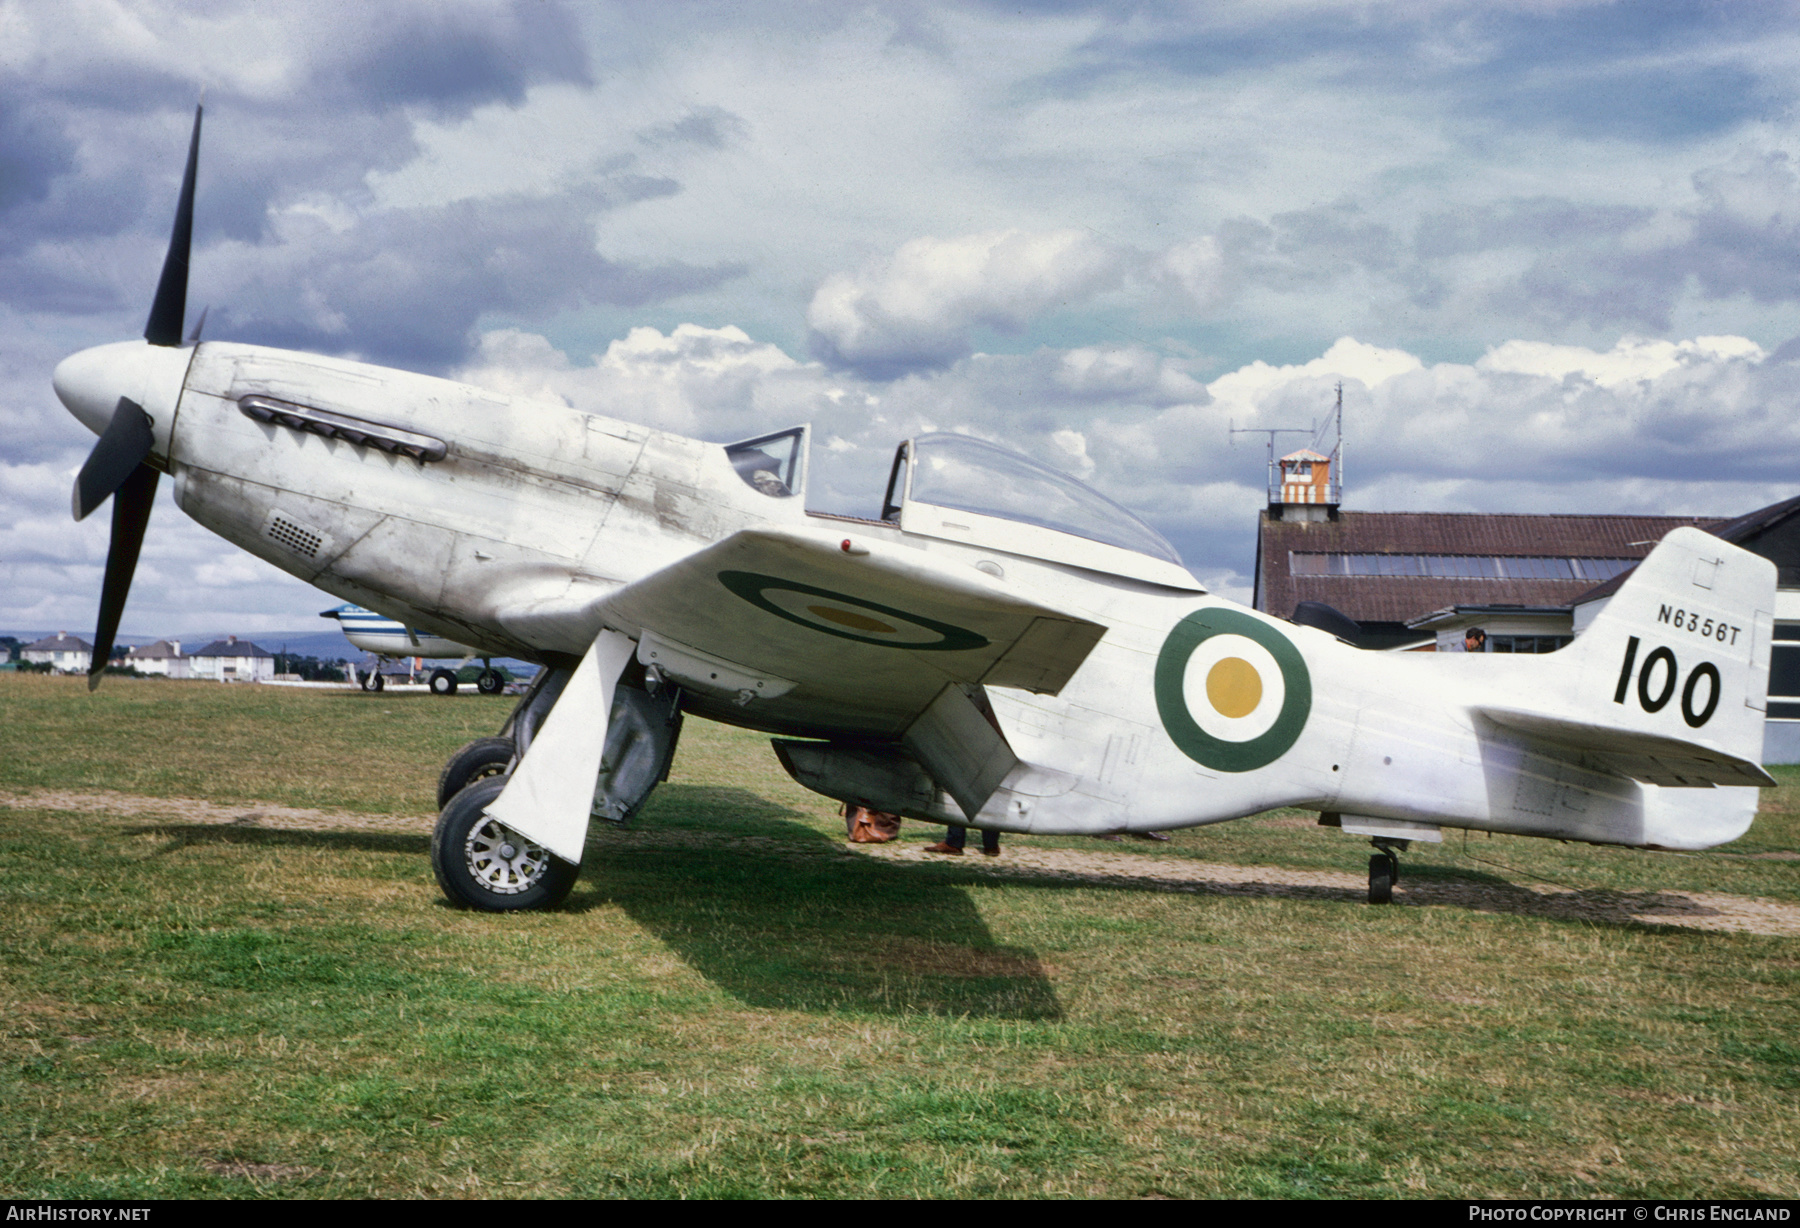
{"x":1398,"y":599}
{"x":1745,"y":530}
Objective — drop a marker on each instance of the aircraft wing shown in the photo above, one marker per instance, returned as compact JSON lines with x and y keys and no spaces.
{"x":860,"y":627}
{"x":1641,"y":756}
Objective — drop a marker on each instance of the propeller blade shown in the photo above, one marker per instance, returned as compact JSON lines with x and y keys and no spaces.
{"x":131,"y":515}
{"x":169,"y":311}
{"x":116,"y":454}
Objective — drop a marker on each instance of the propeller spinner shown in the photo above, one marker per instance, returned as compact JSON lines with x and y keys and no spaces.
{"x":115,"y":390}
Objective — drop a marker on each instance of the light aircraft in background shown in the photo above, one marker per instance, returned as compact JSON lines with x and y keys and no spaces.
{"x":387,"y":637}
{"x":1001,"y":646}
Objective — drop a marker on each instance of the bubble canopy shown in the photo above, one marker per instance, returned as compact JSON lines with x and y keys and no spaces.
{"x":970,"y":475}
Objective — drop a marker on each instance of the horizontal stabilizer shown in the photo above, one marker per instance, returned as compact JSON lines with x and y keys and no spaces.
{"x":1648,"y":757}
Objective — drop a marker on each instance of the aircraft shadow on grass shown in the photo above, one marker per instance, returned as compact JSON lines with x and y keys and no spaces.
{"x":766,"y":908}
{"x":770,"y":910}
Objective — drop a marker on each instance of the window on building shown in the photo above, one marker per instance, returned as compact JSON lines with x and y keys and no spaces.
{"x":1784,"y":674}
{"x":1458,"y":566}
{"x":1528,"y":643}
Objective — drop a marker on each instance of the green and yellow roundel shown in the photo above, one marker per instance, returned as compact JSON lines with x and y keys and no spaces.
{"x":1232,"y":691}
{"x":847,"y":617}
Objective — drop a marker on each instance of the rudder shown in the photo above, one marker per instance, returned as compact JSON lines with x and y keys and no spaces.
{"x":1681,"y":651}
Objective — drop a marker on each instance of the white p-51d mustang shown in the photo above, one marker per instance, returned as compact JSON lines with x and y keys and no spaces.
{"x":1003,"y":647}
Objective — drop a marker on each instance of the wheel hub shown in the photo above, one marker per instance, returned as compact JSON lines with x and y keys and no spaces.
{"x":502,"y":860}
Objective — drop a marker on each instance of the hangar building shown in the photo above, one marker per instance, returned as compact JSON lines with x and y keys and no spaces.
{"x":1416,"y":580}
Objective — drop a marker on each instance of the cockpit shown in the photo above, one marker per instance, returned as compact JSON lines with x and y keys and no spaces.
{"x":961,"y":473}
{"x":959,"y":488}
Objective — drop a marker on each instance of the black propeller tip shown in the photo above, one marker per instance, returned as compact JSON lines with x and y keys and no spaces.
{"x":168,"y":312}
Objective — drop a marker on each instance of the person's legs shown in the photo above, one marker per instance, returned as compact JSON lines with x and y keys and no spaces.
{"x":952,"y":843}
{"x":990,"y":842}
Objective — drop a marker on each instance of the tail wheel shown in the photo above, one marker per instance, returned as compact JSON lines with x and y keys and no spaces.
{"x":479,"y":760}
{"x":483,"y":864}
{"x":1383,"y":871}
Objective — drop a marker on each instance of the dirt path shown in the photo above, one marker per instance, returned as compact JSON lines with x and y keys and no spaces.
{"x":1690,"y":909}
{"x":1693,"y":909}
{"x":191,"y":810}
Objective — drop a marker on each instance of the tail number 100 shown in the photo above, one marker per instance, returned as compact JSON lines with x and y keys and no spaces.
{"x":1656,"y":687}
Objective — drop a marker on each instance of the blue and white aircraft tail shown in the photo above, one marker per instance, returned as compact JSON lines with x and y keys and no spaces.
{"x":388,"y":637}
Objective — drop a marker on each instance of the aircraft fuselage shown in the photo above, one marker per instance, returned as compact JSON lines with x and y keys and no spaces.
{"x":504,"y":523}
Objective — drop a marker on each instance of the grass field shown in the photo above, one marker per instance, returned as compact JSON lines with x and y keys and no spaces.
{"x":731,"y":1004}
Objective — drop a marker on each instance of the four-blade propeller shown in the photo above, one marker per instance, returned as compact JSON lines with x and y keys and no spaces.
{"x":116,"y":466}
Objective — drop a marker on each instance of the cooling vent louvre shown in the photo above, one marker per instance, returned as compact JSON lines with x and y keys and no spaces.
{"x":359,"y":431}
{"x":301,"y":541}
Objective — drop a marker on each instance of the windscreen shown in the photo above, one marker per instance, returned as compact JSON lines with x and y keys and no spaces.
{"x":769,"y":463}
{"x":956,"y":471}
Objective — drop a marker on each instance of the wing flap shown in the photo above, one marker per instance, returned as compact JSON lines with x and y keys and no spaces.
{"x":1046,"y":656}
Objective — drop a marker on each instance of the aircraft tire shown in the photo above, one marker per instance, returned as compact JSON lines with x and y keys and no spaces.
{"x":479,"y":760}
{"x":1381,"y":879}
{"x":443,"y":682}
{"x":483,"y":865}
{"x":490,"y":682}
{"x":373,"y":681}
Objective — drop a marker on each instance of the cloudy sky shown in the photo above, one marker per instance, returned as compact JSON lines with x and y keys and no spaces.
{"x":1551,"y":249}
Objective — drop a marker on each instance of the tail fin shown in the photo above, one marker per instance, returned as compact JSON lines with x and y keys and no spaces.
{"x":1669,"y":683}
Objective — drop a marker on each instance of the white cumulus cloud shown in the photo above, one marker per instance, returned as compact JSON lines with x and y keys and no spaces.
{"x":917,"y":308}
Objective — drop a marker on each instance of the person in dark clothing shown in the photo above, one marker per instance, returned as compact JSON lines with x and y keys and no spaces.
{"x":956,"y":837}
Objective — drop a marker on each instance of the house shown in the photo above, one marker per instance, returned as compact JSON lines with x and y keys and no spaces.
{"x":163,"y":657}
{"x":232,"y":660}
{"x":62,"y":652}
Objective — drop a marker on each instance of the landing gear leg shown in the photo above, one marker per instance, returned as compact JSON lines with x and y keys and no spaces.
{"x":1384,"y":869}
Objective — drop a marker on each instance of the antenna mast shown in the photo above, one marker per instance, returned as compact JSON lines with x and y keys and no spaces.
{"x":1274,"y":483}
{"x":1334,"y":423}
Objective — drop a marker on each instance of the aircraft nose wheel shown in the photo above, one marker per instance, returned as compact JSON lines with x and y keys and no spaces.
{"x":373,"y":681}
{"x":1384,"y":870}
{"x":490,"y":682}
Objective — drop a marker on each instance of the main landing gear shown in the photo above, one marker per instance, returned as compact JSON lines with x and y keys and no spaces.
{"x":486,"y":865}
{"x":1384,"y":868}
{"x":483,"y":864}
